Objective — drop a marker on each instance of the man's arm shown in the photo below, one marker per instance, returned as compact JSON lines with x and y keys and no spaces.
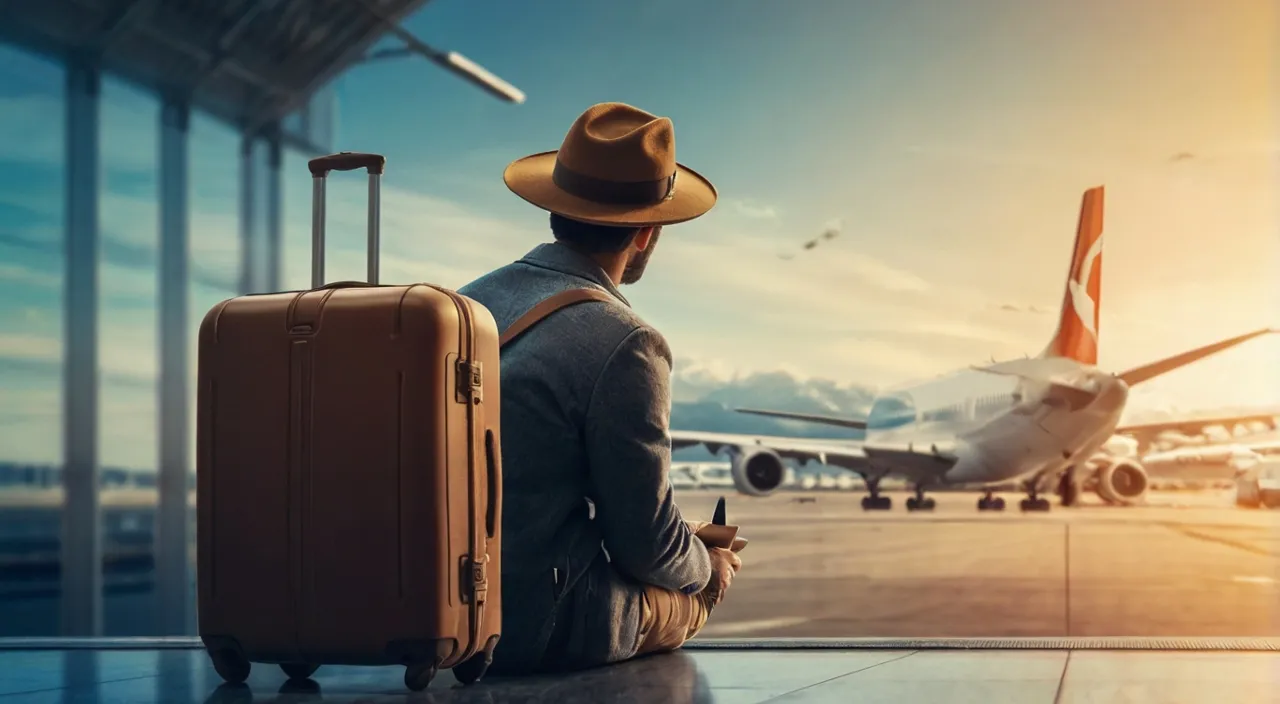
{"x":629,"y":454}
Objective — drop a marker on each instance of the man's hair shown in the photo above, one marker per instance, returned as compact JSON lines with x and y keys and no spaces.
{"x":589,"y":238}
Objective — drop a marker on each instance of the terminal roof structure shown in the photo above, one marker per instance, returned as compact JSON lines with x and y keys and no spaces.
{"x":248,"y":62}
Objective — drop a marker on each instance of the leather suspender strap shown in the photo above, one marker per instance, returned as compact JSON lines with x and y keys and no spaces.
{"x":550,"y":305}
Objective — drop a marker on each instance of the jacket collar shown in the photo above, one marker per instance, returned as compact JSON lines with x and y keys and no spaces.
{"x":558,"y":257}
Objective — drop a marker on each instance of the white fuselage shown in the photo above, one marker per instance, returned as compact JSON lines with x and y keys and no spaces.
{"x":1004,"y":427}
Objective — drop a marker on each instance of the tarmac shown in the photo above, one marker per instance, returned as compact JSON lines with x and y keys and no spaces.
{"x":1187,"y":564}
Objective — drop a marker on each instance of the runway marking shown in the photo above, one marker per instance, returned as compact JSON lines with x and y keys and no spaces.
{"x":1253,"y":579}
{"x":765,"y":624}
{"x":1190,"y":532}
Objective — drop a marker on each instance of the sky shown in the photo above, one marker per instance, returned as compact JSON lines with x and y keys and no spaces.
{"x":952,"y":141}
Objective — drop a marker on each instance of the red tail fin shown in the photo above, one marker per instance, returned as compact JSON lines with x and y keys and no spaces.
{"x":1077,"y":335}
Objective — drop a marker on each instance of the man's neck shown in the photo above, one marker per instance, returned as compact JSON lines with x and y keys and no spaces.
{"x":613,"y":263}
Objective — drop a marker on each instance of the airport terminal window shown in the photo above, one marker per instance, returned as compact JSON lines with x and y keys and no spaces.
{"x":128,"y":309}
{"x":32,"y":177}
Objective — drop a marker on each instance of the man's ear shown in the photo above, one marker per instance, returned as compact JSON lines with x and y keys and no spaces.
{"x":641,"y":240}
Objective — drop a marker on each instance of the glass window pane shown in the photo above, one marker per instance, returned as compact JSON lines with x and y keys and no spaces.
{"x":128,"y":355}
{"x":31,"y":280}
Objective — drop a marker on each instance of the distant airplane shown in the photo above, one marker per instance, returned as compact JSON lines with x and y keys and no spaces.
{"x":1034,"y":420}
{"x":1200,"y":463}
{"x":829,"y":233}
{"x":1191,"y":431}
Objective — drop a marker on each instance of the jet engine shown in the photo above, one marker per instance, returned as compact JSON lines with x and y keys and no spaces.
{"x":757,"y":471}
{"x":1121,"y":481}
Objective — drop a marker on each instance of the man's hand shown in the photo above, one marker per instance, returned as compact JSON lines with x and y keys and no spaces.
{"x":724,"y":565}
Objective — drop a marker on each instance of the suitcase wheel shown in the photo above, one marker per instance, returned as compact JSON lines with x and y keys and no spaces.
{"x":471,"y":670}
{"x":417,"y":677}
{"x":230,"y":665}
{"x":298,"y":670}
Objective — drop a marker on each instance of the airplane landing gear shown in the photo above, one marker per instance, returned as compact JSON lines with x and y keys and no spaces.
{"x":920,"y":502}
{"x":990,"y":503}
{"x":874,"y":501}
{"x":1034,"y":502}
{"x":1068,"y":489}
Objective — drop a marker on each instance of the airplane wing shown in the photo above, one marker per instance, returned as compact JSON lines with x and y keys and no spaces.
{"x":1137,"y":375}
{"x":809,"y":417}
{"x":1197,"y":425}
{"x":906,"y":461}
{"x":841,"y":453}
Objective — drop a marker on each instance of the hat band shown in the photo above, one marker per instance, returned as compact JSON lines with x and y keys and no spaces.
{"x":613,"y":192}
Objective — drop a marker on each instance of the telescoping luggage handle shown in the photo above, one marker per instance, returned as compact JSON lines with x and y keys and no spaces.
{"x":344,"y":161}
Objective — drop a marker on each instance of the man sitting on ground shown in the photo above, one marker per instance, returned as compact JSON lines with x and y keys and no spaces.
{"x":598,"y":565}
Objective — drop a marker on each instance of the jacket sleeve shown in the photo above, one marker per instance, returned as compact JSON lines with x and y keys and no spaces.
{"x":629,"y":455}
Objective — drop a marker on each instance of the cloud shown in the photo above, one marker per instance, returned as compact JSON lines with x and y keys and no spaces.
{"x":893,"y":362}
{"x":747,"y":263}
{"x":717,"y":288}
{"x":127,"y":131}
{"x":931,"y":332}
{"x":23,"y":276}
{"x":122,"y":356}
{"x":29,"y":347}
{"x":424,"y":238}
{"x":990,"y":156}
{"x":28,"y":139}
{"x":429,"y":238}
{"x":704,"y":371}
{"x":752,"y":209}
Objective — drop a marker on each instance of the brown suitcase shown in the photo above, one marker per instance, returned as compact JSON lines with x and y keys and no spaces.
{"x":349,"y":473}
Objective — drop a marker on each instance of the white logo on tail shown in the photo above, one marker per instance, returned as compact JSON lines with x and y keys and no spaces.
{"x":1085,"y":307}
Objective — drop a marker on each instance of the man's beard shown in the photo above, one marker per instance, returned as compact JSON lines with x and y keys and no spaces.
{"x":639,"y":260}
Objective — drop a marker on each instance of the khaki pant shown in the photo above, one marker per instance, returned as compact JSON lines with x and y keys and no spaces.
{"x":668,"y":618}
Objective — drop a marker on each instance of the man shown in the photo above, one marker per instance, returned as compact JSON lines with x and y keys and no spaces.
{"x":598,"y":565}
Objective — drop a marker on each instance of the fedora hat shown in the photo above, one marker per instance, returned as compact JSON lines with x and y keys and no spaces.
{"x":616,"y":166}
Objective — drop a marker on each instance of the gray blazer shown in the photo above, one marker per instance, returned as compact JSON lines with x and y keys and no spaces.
{"x":588,"y":511}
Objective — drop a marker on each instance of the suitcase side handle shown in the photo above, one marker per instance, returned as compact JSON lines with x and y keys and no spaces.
{"x":495,"y":484}
{"x":320,"y":167}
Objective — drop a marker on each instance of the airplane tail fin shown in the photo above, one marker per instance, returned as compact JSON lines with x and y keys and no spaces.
{"x":1077,"y":334}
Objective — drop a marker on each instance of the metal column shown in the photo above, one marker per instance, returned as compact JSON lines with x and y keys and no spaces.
{"x":248,"y":222}
{"x":81,"y":515}
{"x":172,"y":566}
{"x":275,"y":224}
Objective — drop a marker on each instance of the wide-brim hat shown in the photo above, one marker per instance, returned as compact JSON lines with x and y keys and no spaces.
{"x":616,"y":166}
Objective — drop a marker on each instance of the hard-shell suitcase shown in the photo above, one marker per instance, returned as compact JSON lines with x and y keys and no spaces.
{"x":349,"y":473}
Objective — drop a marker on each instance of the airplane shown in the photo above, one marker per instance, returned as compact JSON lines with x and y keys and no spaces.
{"x":1030,"y":420}
{"x":1168,"y":434}
{"x":1208,"y":462}
{"x":1219,"y":460}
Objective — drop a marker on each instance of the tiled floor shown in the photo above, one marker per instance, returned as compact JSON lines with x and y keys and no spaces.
{"x":178,"y":676}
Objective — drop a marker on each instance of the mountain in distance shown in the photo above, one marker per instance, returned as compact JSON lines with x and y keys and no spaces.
{"x":704,"y":399}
